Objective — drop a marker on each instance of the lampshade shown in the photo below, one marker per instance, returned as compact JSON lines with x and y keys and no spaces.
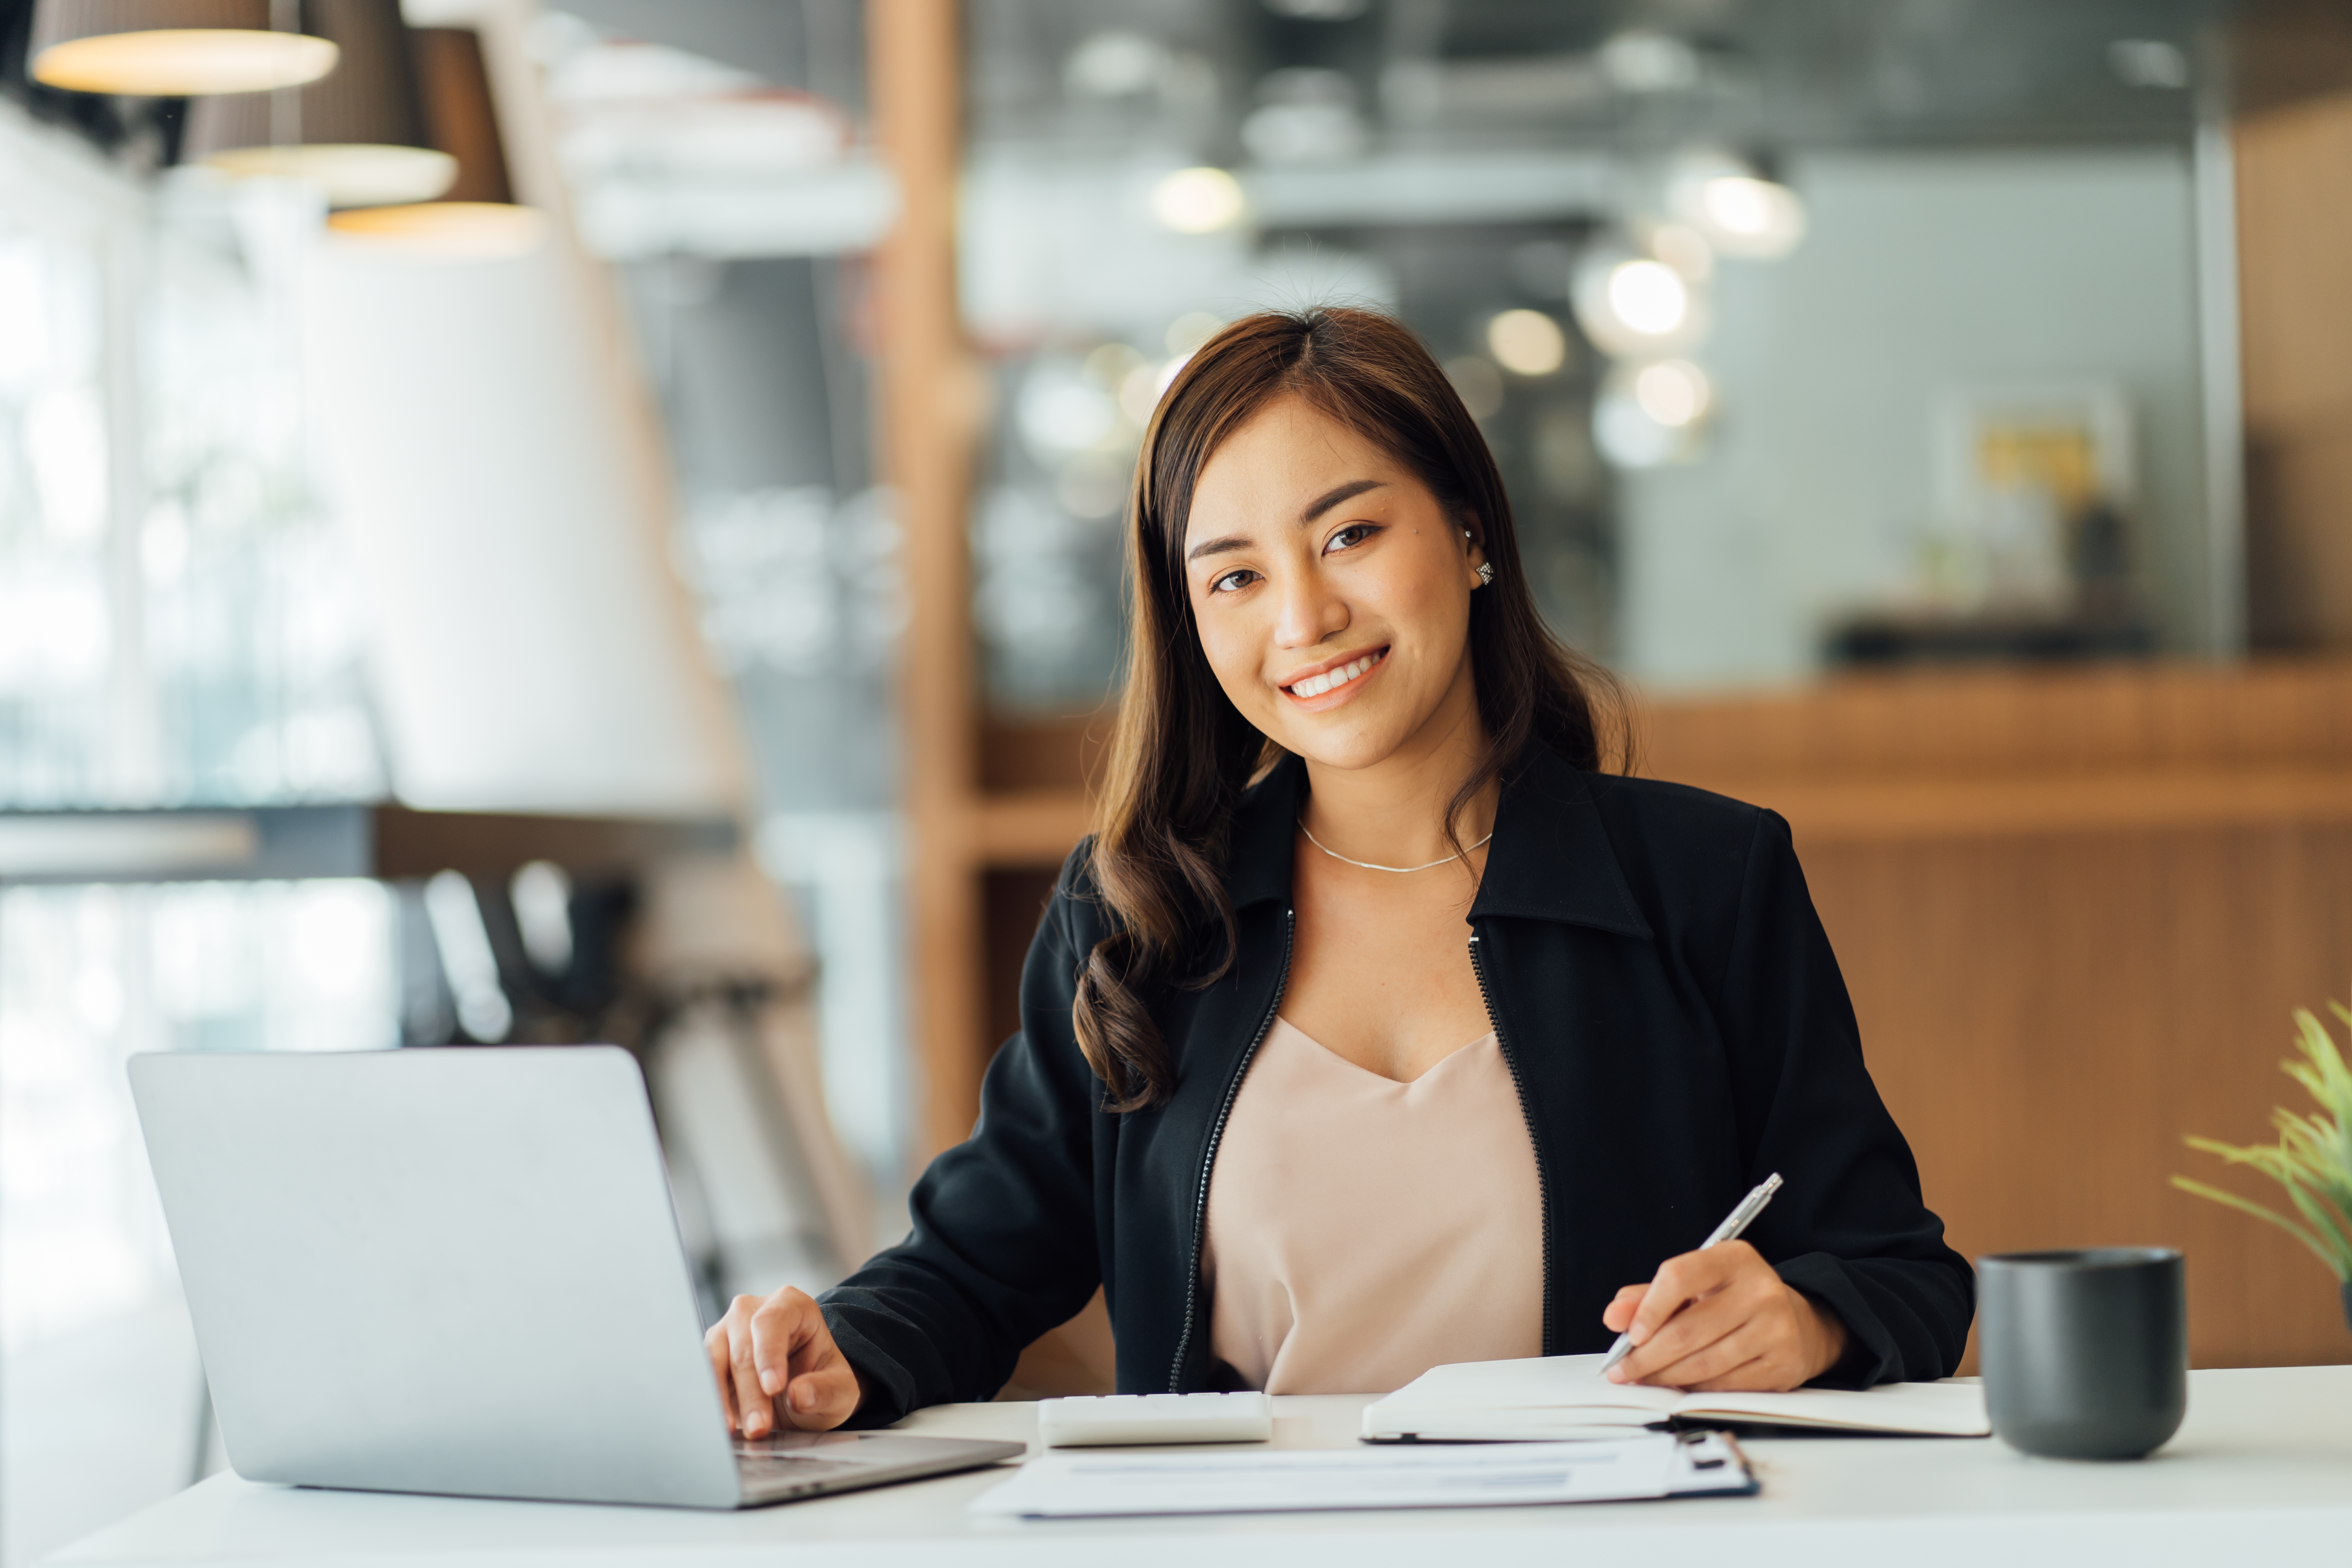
{"x":170,"y":48}
{"x":460,"y":118}
{"x":475,"y":219}
{"x":458,"y":231}
{"x":360,"y":133}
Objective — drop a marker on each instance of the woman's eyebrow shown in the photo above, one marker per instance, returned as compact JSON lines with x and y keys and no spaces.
{"x":1312,"y":511}
{"x":1218,"y":546}
{"x":1337,"y":494}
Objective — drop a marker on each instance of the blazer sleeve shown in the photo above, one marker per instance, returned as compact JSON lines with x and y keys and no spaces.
{"x":1004,"y":1243}
{"x":1849,"y":1227}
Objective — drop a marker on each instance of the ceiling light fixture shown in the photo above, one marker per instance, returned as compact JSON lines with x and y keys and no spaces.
{"x":445,"y":231}
{"x":174,"y":48}
{"x":475,"y":219}
{"x":359,"y":134}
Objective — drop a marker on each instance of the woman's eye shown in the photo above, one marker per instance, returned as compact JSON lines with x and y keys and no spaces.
{"x":1347,"y":538}
{"x":1231,"y":581}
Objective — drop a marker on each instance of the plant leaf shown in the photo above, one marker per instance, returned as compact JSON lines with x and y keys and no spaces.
{"x":2312,"y":1160}
{"x":2248,"y":1206}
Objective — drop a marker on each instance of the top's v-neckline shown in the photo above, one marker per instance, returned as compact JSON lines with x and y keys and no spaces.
{"x":1381,"y":1077}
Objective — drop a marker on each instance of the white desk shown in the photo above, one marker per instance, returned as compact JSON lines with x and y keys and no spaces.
{"x":2260,"y":1472}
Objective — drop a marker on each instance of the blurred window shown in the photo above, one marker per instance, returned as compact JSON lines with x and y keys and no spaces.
{"x":177,"y":627}
{"x":1749,"y":301}
{"x":91,"y":976}
{"x":56,"y":620}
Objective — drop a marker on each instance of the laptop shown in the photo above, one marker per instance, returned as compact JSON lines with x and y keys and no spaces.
{"x":459,"y":1271}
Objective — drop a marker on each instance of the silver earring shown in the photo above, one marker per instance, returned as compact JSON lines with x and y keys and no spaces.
{"x":1485,"y":574}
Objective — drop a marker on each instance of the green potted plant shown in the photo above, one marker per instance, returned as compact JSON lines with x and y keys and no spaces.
{"x":2312,"y":1159}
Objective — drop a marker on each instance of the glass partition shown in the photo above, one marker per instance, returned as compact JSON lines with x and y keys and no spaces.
{"x":1808,"y":334}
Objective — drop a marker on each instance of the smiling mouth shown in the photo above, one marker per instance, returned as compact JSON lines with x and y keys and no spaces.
{"x":1332,"y":680}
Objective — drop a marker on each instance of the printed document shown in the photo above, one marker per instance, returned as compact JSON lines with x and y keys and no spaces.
{"x":1074,"y":1484}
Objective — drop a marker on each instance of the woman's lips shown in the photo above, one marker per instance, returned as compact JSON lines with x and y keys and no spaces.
{"x":1330,"y":687}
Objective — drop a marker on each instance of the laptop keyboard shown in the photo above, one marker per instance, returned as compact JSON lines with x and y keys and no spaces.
{"x":768,"y":1472}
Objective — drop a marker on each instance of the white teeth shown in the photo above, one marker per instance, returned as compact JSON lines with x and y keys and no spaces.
{"x":1317,"y":685}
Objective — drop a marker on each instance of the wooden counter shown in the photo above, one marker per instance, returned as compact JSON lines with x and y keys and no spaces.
{"x":2074,"y":907}
{"x":2075,"y":911}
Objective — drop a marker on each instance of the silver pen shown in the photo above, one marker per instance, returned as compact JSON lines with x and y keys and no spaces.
{"x":1737,"y":1220}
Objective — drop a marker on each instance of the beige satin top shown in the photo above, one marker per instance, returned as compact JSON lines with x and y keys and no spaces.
{"x":1361,"y":1230}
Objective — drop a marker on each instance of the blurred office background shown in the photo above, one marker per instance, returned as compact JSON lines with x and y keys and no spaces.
{"x":601,"y":520}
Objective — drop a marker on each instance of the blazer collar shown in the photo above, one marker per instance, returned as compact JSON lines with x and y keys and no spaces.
{"x":1551,"y":859}
{"x":1263,"y":824}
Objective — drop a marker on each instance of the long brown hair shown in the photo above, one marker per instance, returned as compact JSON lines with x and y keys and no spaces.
{"x":1181,"y":754}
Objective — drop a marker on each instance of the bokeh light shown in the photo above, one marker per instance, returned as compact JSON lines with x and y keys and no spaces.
{"x":1526,"y":343}
{"x":1651,"y":415}
{"x":1751,"y":217}
{"x":1198,"y":200}
{"x":1675,"y":392}
{"x":1648,"y":296}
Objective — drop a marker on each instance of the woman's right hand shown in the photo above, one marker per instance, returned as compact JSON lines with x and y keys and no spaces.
{"x":778,"y":1367}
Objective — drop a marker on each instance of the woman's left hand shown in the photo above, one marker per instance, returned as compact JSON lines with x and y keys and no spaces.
{"x":1721,"y":1318}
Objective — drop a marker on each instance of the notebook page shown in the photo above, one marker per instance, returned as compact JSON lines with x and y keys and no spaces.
{"x":1949,"y":1409}
{"x":1555,"y":1397}
{"x":1553,"y":1391}
{"x":1542,"y":1383}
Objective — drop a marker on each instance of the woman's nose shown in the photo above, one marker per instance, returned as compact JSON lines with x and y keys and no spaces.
{"x":1307,"y":610}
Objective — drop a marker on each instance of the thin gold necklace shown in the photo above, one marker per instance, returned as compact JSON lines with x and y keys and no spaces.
{"x":1400,"y":870}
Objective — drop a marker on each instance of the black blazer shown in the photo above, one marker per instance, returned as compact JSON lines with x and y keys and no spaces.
{"x":1670,"y":1011}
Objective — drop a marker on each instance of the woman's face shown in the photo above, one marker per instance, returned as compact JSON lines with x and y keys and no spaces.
{"x":1332,"y":590}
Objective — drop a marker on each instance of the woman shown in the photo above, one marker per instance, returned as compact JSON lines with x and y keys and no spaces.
{"x":1377,"y":1028}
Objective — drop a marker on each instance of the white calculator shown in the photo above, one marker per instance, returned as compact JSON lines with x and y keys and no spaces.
{"x":1155,"y":1418}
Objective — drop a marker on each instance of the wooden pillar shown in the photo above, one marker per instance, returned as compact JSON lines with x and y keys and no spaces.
{"x":2295,"y":227}
{"x":928,"y":417}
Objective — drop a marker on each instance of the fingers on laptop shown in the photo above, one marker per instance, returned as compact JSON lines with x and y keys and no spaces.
{"x":777,"y":1365}
{"x":800,"y":1366}
{"x":714,"y":1345}
{"x":729,"y":1343}
{"x":748,"y":1409}
{"x":825,"y":1397}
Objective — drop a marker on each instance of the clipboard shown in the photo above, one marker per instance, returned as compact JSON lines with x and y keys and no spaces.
{"x":1708,"y":1463}
{"x":1102,"y":1483}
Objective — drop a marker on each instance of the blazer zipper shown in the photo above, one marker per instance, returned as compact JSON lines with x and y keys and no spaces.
{"x":1209,"y":1159}
{"x":1527,"y":1113}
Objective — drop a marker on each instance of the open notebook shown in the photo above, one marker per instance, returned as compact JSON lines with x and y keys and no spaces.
{"x":1565,"y":1396}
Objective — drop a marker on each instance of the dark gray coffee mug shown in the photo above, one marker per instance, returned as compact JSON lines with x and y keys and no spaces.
{"x":2085,"y":1353}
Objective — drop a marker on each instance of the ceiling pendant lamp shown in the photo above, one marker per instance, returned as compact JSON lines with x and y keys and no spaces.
{"x":359,"y":134}
{"x":174,"y":48}
{"x":476,"y":218}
